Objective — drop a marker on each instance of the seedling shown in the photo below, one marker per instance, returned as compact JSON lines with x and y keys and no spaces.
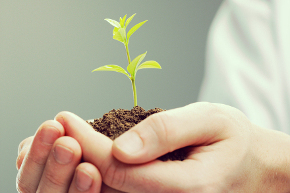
{"x":119,"y":33}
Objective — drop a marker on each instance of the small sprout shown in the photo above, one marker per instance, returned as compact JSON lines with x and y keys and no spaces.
{"x":119,"y":33}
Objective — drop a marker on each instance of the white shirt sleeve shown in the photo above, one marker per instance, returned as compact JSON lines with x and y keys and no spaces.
{"x":248,"y":61}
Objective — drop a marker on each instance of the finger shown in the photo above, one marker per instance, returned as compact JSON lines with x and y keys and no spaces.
{"x":128,"y":178}
{"x":24,"y":143}
{"x":36,"y":155}
{"x":108,"y":189}
{"x":195,"y":124}
{"x":60,"y":166}
{"x":93,"y":143}
{"x":207,"y":124}
{"x":87,"y":178}
{"x":96,"y":147}
{"x":22,"y":150}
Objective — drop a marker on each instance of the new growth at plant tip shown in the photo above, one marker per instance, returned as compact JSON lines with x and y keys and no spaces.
{"x":119,"y":33}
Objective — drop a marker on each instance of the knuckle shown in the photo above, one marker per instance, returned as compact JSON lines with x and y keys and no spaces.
{"x":218,"y":114}
{"x":53,"y":180}
{"x":21,"y":145}
{"x":211,"y":109}
{"x":24,"y":143}
{"x":225,"y":118}
{"x":115,"y":175}
{"x":158,"y":127}
{"x":224,"y":115}
{"x":19,"y":161}
{"x":21,"y":186}
{"x":38,"y":159}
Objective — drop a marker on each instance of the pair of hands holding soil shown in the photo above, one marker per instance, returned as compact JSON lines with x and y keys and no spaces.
{"x":227,"y":153}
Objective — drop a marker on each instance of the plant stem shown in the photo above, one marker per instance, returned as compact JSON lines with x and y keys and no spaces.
{"x":132,"y":79}
{"x":127,"y":52}
{"x":134,"y":92}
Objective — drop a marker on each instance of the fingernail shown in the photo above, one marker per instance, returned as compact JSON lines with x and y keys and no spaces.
{"x":62,"y":154}
{"x":59,"y":118}
{"x":49,"y":135}
{"x":129,"y":143}
{"x":83,"y":181}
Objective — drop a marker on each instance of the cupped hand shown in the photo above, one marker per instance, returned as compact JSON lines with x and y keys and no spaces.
{"x":51,"y":162}
{"x":227,"y":152}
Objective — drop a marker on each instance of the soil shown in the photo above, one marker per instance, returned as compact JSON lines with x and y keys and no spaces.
{"x":116,"y":122}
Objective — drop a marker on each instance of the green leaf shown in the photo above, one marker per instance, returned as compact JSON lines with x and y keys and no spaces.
{"x":133,"y":29}
{"x":149,"y":64}
{"x":119,"y":34}
{"x":122,"y":20}
{"x":115,"y":68}
{"x":134,"y":64}
{"x":113,"y":23}
{"x":122,"y":32}
{"x":129,"y":20}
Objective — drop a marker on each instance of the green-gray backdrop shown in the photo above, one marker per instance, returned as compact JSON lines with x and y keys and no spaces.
{"x":49,"y":48}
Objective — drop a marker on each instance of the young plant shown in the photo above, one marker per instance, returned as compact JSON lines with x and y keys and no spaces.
{"x":119,"y":33}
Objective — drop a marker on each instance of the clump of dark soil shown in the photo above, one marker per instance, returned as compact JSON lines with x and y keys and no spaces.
{"x":116,"y":122}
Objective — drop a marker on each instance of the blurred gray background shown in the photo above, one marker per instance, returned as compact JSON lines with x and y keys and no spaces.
{"x":49,"y":48}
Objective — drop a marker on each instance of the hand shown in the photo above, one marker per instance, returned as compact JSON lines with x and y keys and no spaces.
{"x":50,"y":162}
{"x":228,"y":153}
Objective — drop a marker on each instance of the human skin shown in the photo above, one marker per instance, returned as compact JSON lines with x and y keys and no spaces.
{"x":227,"y":153}
{"x":50,"y":162}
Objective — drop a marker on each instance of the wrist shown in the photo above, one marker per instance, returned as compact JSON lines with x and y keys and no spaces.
{"x":272,"y":151}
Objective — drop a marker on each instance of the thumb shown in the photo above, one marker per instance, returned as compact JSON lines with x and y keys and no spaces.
{"x":194,"y":124}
